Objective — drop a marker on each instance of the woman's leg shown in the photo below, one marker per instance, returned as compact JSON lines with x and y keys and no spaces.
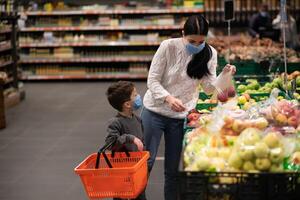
{"x":173,"y":146}
{"x":153,"y":125}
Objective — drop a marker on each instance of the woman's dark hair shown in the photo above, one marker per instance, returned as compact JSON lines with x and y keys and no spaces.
{"x":197,"y":67}
{"x":118,"y":93}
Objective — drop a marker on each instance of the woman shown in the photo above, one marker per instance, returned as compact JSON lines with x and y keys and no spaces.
{"x":177,"y":68}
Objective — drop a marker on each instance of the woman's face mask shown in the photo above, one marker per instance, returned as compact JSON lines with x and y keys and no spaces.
{"x":194,"y":49}
{"x":194,"y":43}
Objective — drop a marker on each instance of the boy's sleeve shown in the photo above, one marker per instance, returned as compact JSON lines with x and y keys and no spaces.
{"x":114,"y":131}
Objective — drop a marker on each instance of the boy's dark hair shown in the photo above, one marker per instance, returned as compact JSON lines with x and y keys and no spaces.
{"x":118,"y":93}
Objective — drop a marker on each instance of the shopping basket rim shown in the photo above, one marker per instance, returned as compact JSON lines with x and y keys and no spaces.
{"x":80,"y":171}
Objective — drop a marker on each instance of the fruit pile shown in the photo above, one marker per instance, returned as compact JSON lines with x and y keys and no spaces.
{"x":283,"y":113}
{"x":247,"y":48}
{"x":234,"y":126}
{"x":230,"y":140}
{"x":253,"y":86}
{"x":253,"y":151}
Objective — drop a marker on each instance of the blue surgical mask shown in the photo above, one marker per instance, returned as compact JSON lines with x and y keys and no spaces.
{"x":193,"y":49}
{"x":137,"y":102}
{"x":263,"y":13}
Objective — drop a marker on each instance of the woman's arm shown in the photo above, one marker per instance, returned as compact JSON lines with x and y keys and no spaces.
{"x":156,"y":72}
{"x":207,"y":82}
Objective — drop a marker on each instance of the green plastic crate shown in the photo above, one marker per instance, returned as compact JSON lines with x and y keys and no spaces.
{"x":203,"y":96}
{"x":206,"y":106}
{"x":291,"y":67}
{"x":249,"y":68}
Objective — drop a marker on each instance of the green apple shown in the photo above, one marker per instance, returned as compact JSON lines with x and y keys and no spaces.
{"x":261,"y":150}
{"x":276,"y":168}
{"x":261,"y":123}
{"x":276,"y":155}
{"x":235,"y":161}
{"x":248,"y":166}
{"x":278,"y":82}
{"x":250,"y":136}
{"x":238,"y":126}
{"x":211,"y":152}
{"x":262,"y":164}
{"x":202,"y":163}
{"x":191,"y":168}
{"x":247,"y":106}
{"x":224,"y":153}
{"x":218,"y":163}
{"x":246,"y":153}
{"x":272,"y":139}
{"x":241,"y":88}
{"x":298,"y":81}
{"x":268,"y":85}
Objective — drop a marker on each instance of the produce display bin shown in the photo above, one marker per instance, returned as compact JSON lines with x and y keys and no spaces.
{"x":249,"y":68}
{"x":238,"y":186}
{"x":203,"y":96}
{"x":291,"y":67}
{"x":206,"y":106}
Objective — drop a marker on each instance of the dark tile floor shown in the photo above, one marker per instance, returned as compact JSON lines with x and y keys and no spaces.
{"x":52,"y":131}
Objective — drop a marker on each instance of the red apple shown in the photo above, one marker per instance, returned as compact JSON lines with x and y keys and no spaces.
{"x":193,"y":116}
{"x":222,"y":96}
{"x":293,"y":121}
{"x":192,"y":124}
{"x":247,"y":96}
{"x":231,"y":91}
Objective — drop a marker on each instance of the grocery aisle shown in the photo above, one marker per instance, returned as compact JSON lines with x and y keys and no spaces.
{"x":49,"y":133}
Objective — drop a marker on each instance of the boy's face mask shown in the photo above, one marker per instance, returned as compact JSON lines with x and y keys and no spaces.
{"x":193,"y":49}
{"x":137,"y":103}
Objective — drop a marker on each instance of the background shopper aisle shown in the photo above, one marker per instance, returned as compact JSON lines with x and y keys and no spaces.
{"x":47,"y":135}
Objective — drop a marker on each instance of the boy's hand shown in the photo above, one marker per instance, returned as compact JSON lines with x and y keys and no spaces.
{"x":138,"y":143}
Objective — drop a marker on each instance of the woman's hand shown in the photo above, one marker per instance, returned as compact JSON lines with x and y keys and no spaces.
{"x":229,"y":68}
{"x":175,"y":104}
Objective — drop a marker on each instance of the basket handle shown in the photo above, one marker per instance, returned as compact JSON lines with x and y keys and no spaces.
{"x":103,"y":149}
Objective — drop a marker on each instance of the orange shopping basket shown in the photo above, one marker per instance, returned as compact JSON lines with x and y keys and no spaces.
{"x":119,"y":175}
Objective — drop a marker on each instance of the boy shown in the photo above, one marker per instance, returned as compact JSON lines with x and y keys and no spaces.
{"x":125,"y":128}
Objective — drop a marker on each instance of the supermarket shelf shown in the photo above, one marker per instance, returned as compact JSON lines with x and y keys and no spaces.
{"x":9,"y":80}
{"x":87,"y":77}
{"x":5,"y":47}
{"x":9,"y":17}
{"x":32,"y":60}
{"x":101,"y":28}
{"x":105,"y":12}
{"x":5,"y":30}
{"x":5,"y":63}
{"x":88,"y":44}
